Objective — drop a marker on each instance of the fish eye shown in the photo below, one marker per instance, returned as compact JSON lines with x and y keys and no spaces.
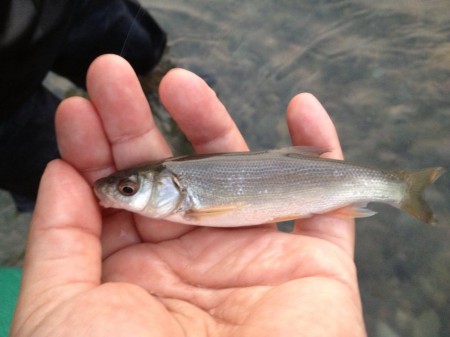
{"x":127,"y":187}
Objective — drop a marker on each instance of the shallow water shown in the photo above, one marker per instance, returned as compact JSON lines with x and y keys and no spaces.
{"x":382,"y":70}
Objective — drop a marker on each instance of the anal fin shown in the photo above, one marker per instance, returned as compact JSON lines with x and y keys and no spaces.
{"x":352,"y":211}
{"x":287,"y":217}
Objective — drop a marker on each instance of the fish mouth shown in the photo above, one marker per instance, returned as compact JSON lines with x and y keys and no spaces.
{"x":101,"y":191}
{"x":98,"y":188}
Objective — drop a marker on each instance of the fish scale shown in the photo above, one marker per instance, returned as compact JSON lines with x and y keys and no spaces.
{"x":313,"y":176}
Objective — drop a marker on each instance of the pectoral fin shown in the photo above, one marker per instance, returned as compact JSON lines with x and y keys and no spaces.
{"x":213,"y":211}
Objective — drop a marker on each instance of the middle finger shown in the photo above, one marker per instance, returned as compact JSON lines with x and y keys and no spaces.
{"x":125,"y":113}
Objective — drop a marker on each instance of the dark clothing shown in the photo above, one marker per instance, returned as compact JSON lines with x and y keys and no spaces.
{"x":110,"y":26}
{"x":28,"y":143}
{"x":64,"y":36}
{"x":32,"y":33}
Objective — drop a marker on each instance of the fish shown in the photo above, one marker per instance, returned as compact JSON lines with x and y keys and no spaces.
{"x":249,"y":188}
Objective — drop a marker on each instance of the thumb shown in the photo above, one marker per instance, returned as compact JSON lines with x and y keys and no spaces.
{"x":63,"y":254}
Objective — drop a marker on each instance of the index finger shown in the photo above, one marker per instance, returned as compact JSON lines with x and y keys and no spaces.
{"x":115,"y":130}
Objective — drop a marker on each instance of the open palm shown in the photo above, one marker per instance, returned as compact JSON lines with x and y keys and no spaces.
{"x":112,"y":273}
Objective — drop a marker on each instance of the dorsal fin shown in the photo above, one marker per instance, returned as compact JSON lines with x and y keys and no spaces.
{"x":308,"y":151}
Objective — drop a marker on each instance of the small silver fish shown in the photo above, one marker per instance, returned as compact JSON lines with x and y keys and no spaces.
{"x":248,"y":188}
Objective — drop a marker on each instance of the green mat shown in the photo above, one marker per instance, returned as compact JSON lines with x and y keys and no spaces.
{"x":9,"y":290}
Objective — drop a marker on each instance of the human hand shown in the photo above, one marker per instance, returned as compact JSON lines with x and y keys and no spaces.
{"x":100,"y":272}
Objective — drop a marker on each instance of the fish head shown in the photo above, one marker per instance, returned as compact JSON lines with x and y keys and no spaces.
{"x":125,"y":190}
{"x":149,"y":192}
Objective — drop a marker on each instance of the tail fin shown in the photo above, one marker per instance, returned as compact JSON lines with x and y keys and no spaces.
{"x":417,"y":181}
